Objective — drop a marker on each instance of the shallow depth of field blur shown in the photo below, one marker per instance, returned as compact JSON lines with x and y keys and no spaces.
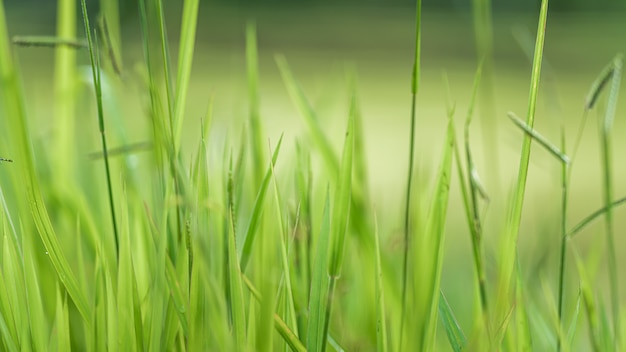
{"x":321,"y":42}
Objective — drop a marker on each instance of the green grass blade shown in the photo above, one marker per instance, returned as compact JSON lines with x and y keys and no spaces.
{"x":316,"y":337}
{"x":342,"y":202}
{"x":236,"y":289}
{"x":381,"y":324}
{"x":415,"y":75}
{"x":257,"y":210}
{"x":607,"y":169}
{"x":593,"y":216}
{"x":48,"y":41}
{"x":14,"y":110}
{"x":429,"y":251}
{"x":455,"y":334}
{"x":185,"y":59}
{"x":508,"y":252}
{"x":304,"y":107}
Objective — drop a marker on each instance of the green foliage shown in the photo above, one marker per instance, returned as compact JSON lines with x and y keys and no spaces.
{"x":184,"y":250}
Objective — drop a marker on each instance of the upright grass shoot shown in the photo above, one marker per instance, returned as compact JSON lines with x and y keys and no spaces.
{"x":415,"y":75}
{"x":95,"y":68}
{"x":509,"y":242}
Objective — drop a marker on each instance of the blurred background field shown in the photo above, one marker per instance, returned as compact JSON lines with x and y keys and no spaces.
{"x":321,"y":40}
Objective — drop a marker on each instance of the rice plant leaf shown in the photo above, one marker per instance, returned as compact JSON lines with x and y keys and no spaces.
{"x":316,"y":337}
{"x":554,"y":150}
{"x":455,"y":334}
{"x":257,"y":210}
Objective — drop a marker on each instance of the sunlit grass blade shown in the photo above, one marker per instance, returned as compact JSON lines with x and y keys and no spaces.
{"x":257,"y":210}
{"x":593,"y":216}
{"x":185,"y":59}
{"x":508,"y":251}
{"x":281,"y":327}
{"x":554,"y":150}
{"x":607,"y":168}
{"x":290,"y":311}
{"x":381,"y":323}
{"x":522,"y":326}
{"x":125,"y":304}
{"x":455,"y":334}
{"x":310,"y":118}
{"x":429,"y":253}
{"x":236,"y":288}
{"x":571,"y":332}
{"x":589,"y":303}
{"x":564,"y":201}
{"x":62,"y":321}
{"x":316,"y":334}
{"x":415,"y":75}
{"x":36,"y":316}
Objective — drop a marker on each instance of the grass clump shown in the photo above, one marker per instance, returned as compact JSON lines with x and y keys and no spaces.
{"x":185,"y":250}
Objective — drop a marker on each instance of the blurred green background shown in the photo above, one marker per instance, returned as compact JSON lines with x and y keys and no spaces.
{"x":321,"y":39}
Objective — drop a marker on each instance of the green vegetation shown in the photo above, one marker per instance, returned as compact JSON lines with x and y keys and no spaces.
{"x":245,"y":246}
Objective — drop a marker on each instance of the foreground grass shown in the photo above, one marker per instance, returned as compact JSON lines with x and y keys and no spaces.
{"x":239,"y":247}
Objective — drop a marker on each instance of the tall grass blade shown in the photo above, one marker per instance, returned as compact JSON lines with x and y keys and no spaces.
{"x":593,"y":216}
{"x":381,"y":324}
{"x":256,"y":131}
{"x":236,"y":288}
{"x":95,"y":68}
{"x":455,"y":334}
{"x":185,"y":59}
{"x":257,"y":210}
{"x":508,"y":252}
{"x":316,"y":334}
{"x":607,"y":168}
{"x":429,"y":252}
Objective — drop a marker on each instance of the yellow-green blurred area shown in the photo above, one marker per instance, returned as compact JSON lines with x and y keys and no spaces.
{"x":323,"y":43}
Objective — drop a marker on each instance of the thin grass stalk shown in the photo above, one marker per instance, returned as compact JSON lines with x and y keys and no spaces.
{"x":95,"y":68}
{"x":564,"y":197}
{"x":409,"y":182}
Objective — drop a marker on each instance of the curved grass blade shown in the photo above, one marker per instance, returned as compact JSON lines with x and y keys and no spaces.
{"x":257,"y":210}
{"x":455,"y":334}
{"x":15,"y":112}
{"x":607,"y":168}
{"x":593,"y":216}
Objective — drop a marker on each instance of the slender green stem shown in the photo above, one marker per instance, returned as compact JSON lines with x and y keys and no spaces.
{"x":591,"y":217}
{"x":564,"y":194}
{"x":95,"y":66}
